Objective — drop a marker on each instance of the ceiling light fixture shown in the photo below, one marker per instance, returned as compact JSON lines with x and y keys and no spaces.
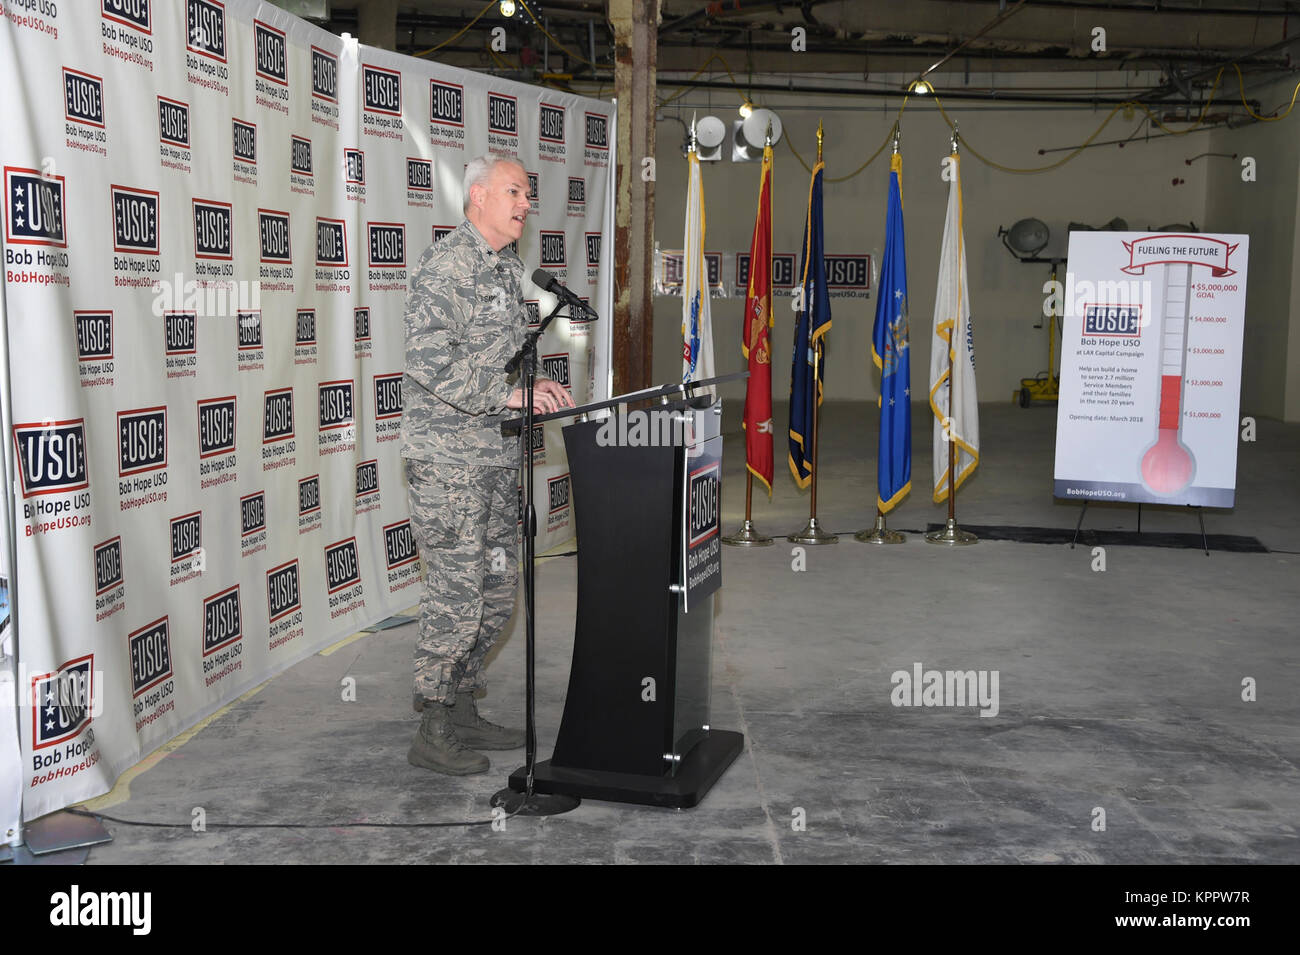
{"x":920,"y":88}
{"x":745,"y":109}
{"x":507,"y":8}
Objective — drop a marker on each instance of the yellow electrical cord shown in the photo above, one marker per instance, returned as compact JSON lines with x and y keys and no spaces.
{"x":538,"y":22}
{"x":487,"y":6}
{"x":1263,"y":119}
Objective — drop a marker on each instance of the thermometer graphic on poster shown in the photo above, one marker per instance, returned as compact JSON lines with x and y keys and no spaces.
{"x":1168,"y":465}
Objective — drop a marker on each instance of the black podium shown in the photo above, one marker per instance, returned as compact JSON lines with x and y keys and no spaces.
{"x":646,"y":496}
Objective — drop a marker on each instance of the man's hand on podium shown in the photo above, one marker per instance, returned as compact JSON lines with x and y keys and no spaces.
{"x":548,"y":396}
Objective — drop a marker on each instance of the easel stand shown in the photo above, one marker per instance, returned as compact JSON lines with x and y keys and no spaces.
{"x":1200,"y":517}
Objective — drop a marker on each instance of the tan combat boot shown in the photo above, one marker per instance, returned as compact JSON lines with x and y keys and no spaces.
{"x":436,"y":746}
{"x":473,"y":730}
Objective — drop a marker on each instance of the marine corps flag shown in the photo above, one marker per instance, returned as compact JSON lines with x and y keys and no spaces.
{"x":697,"y":324}
{"x":756,"y":336}
{"x":890,"y":351}
{"x":952,"y":356}
{"x":813,"y":321}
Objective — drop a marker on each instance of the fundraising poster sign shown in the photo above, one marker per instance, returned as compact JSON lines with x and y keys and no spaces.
{"x":1151,"y":367}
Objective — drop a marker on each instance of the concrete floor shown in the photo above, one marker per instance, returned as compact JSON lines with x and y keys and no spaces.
{"x":1119,"y":690}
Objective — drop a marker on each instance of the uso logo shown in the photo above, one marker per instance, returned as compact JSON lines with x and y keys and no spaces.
{"x":83,"y":98}
{"x":61,"y":700}
{"x":442,"y":230}
{"x":151,"y":656}
{"x":305,"y":327}
{"x":399,"y":545}
{"x":250,"y":330}
{"x":108,"y":565}
{"x":324,"y":75}
{"x":342,"y":569}
{"x":556,"y":367}
{"x":388,"y":396}
{"x":534,"y":313}
{"x":309,"y":495}
{"x":503,"y":113}
{"x":367,"y":478}
{"x":212,"y":229}
{"x":848,"y":271}
{"x":135,"y":220}
{"x":252,"y":513}
{"x":1122,"y":320}
{"x":597,"y":131}
{"x":217,"y":426}
{"x":383,"y":90}
{"x":222,"y":621}
{"x":272,"y":59}
{"x":205,"y":28}
{"x":131,"y":13}
{"x":593,"y":249}
{"x":94,"y":335}
{"x":300,"y":155}
{"x":282,"y":595}
{"x":180,"y":333}
{"x":550,"y":124}
{"x":335,"y":404}
{"x":273,"y":230}
{"x":387,"y":244}
{"x":553,"y":249}
{"x":446,"y":103}
{"x":277,"y":415}
{"x":361,"y":323}
{"x":35,"y":208}
{"x":354,"y":166}
{"x":141,"y":440}
{"x":419,"y":174}
{"x":534,"y":186}
{"x":539,"y":440}
{"x":245,"y":141}
{"x":186,"y":535}
{"x":52,"y":456}
{"x":173,"y":122}
{"x":557,"y":488}
{"x":331,"y":242}
{"x":704,"y":495}
{"x":577,"y":191}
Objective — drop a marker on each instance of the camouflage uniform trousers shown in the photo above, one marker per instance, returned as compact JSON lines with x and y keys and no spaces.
{"x":464,"y":519}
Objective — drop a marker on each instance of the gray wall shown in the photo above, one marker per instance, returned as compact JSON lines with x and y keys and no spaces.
{"x":1134,"y":182}
{"x":1267,"y":210}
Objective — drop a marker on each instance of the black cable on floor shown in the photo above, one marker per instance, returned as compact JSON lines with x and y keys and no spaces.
{"x":288,"y":825}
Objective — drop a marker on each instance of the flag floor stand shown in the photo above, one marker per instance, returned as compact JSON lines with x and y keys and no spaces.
{"x":747,"y":536}
{"x":813,"y":534}
{"x":952,"y":535}
{"x":880,"y":534}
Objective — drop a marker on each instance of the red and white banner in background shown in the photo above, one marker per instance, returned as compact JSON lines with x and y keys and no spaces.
{"x":212,"y":212}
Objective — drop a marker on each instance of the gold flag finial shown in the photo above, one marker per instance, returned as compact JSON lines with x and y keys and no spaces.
{"x":819,"y":140}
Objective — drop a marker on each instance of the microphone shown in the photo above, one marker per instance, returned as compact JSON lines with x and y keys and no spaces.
{"x":545,"y":280}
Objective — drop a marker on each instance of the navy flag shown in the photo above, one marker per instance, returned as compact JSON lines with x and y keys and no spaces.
{"x":813,"y":321}
{"x":890,"y":351}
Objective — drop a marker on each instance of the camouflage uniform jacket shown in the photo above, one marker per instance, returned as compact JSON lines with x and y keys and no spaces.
{"x":465,"y":318}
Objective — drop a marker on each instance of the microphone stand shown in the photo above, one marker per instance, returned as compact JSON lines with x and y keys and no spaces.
{"x":528,"y":802}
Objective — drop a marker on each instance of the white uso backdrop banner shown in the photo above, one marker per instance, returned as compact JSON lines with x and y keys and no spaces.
{"x":212,"y":214}
{"x":1151,"y":368}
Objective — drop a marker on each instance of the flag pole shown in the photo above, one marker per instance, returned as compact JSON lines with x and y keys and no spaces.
{"x":880,"y":534}
{"x":952,"y":535}
{"x":813,"y":533}
{"x":748,"y":535}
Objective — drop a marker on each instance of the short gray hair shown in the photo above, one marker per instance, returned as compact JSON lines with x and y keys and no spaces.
{"x":477,"y":171}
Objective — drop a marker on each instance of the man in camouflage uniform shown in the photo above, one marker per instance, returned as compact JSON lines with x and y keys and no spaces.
{"x":465,"y":319}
